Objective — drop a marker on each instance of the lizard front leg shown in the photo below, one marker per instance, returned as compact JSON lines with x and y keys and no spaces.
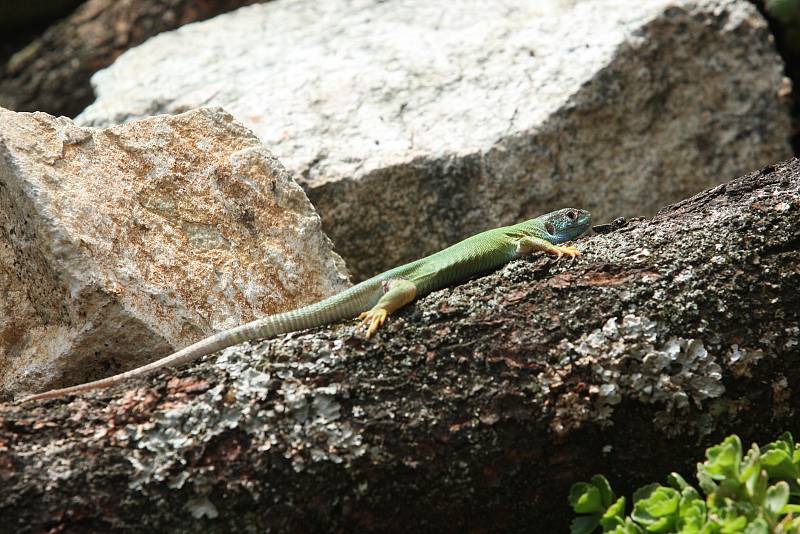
{"x":397,"y":293}
{"x":527,"y":245}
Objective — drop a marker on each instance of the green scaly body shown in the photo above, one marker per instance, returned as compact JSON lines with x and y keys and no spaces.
{"x":475,"y":255}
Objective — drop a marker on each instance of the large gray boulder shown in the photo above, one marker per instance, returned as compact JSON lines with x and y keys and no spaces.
{"x":118,"y":246}
{"x":412,"y":124}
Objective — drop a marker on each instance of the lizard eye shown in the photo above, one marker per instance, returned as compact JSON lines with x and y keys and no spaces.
{"x":571,"y":215}
{"x":550,"y":228}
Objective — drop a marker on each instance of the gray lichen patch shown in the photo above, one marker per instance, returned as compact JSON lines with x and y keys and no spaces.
{"x":276,"y":410}
{"x":636,"y":358}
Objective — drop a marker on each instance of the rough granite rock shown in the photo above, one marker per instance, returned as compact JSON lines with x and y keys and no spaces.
{"x":412,"y":124}
{"x":119,"y":245}
{"x":472,"y":410}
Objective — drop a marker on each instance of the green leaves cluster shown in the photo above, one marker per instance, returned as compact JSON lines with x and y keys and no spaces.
{"x":753,"y":493}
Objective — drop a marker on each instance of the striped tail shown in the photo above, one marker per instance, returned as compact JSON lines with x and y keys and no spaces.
{"x":344,"y":305}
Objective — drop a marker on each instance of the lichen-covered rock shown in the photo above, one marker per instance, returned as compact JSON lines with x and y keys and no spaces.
{"x":474,"y":409}
{"x":119,"y":245}
{"x":412,"y":124}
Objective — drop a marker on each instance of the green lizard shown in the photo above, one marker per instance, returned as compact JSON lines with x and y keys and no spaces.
{"x":374,"y":299}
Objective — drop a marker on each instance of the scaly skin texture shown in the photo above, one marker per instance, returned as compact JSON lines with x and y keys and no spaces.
{"x":376,"y":298}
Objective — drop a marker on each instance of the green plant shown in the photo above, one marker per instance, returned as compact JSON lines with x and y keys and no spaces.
{"x":753,"y":493}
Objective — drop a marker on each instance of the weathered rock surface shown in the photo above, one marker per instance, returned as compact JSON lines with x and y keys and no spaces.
{"x":118,"y":245}
{"x":51,"y":72}
{"x":412,"y":124}
{"x":472,"y":410}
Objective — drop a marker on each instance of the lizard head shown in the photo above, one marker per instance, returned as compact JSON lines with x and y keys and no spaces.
{"x":566,"y":224}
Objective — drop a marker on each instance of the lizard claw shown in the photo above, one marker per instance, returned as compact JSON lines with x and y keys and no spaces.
{"x":374,"y":318}
{"x":572,"y":252}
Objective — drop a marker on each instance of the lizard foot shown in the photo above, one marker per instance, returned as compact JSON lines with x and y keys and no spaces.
{"x":572,"y":252}
{"x":374,"y":318}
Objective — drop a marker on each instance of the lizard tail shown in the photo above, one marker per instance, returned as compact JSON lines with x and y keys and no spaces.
{"x":192,"y":352}
{"x":344,"y":305}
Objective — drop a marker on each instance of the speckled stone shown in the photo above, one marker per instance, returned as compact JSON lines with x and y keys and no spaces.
{"x":118,"y":246}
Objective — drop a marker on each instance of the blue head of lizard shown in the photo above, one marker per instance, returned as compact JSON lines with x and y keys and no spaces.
{"x":564,"y":225}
